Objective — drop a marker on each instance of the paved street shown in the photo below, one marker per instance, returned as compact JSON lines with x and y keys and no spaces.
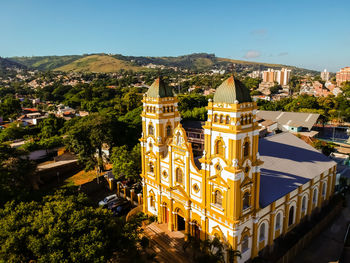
{"x":327,"y":247}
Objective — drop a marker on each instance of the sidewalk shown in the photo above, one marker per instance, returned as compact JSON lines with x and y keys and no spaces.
{"x":327,"y":247}
{"x":167,"y":245}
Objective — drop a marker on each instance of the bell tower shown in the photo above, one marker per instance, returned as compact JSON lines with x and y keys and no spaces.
{"x":160,"y":116}
{"x":231,"y":160}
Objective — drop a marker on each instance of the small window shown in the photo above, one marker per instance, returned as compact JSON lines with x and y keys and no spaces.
{"x":168,"y":130}
{"x":221,"y":119}
{"x":246,"y":201}
{"x":262,"y":232}
{"x":324,"y":189}
{"x":218,"y":198}
{"x":165,"y":174}
{"x":196,"y":188}
{"x":215,"y":118}
{"x":152,"y":201}
{"x":303,"y":204}
{"x":278,"y":221}
{"x":151,"y":167}
{"x":314,"y":197}
{"x":218,"y":168}
{"x":246,"y":149}
{"x":179,"y":176}
{"x":291,"y":216}
{"x":242,"y":120}
{"x":172,"y":108}
{"x":150,"y":130}
{"x":219,"y":147}
{"x":227,"y":120}
{"x":245,"y":243}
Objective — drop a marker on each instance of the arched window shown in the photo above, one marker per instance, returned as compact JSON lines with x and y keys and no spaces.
{"x":168,"y":130}
{"x":245,"y":243}
{"x":219,"y":147}
{"x":303,"y":204}
{"x":314,"y":197}
{"x":262,"y":232}
{"x":152,"y":201}
{"x":218,"y":198}
{"x":172,"y":108}
{"x":179,"y":176}
{"x":242,"y":120}
{"x":215,"y":118}
{"x":150,"y":130}
{"x":249,"y":118}
{"x":227,"y":120}
{"x":221,"y":119}
{"x":218,"y":168}
{"x":324,"y":189}
{"x":278,"y":221}
{"x":291,"y":216}
{"x":246,"y":203}
{"x":151,"y":167}
{"x":245,"y":149}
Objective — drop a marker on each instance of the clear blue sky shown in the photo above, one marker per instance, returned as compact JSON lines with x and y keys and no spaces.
{"x":307,"y":33}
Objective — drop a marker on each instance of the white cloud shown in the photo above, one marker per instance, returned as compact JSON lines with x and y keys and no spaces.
{"x":252,"y":54}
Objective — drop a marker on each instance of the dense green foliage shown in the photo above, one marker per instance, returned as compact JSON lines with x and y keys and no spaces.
{"x":65,"y":228}
{"x":10,"y":108}
{"x":127,"y":162}
{"x":16,"y":173}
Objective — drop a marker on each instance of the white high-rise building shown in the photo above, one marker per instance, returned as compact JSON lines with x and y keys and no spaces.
{"x":325,"y":75}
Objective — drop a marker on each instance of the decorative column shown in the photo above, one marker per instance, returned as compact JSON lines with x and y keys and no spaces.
{"x":171,"y":216}
{"x":255,"y":248}
{"x":298,"y":208}
{"x":272,"y":226}
{"x":118,"y":188}
{"x":139,"y":198}
{"x":132,"y":193}
{"x":145,"y":203}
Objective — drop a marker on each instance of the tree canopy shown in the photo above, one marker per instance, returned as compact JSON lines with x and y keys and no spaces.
{"x":64,"y":228}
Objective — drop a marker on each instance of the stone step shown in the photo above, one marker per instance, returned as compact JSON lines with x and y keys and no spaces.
{"x":169,"y":248}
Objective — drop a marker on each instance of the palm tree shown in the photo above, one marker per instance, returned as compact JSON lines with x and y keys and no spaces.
{"x":232,"y":254}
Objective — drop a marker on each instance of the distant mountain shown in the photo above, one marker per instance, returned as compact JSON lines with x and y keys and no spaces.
{"x":46,"y":62}
{"x":112,"y":63}
{"x":9,"y":64}
{"x":98,"y":63}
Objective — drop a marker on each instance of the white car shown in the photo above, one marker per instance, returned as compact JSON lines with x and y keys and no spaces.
{"x":107,"y":200}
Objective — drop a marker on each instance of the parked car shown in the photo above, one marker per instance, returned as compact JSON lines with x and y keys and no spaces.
{"x":115,"y":203}
{"x":122,"y":208}
{"x":107,"y":200}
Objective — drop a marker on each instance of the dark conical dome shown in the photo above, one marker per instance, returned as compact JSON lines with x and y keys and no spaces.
{"x":159,"y":89}
{"x":232,"y":90}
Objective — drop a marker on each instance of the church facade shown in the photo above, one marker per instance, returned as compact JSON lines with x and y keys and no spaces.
{"x":244,"y":190}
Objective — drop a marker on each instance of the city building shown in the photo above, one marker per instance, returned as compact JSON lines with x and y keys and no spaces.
{"x":271,"y":76}
{"x":343,"y":75}
{"x":325,"y":75}
{"x":245,"y":190}
{"x":290,"y":121}
{"x":280,"y":76}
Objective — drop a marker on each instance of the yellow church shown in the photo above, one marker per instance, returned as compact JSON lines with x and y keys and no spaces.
{"x":245,"y":190}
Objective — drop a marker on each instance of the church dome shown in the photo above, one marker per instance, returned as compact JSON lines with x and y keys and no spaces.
{"x":232,"y":90}
{"x":159,"y":89}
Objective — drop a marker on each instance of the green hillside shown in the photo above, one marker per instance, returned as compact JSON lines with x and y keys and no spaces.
{"x":111,"y":63}
{"x":98,"y":63}
{"x":46,"y":62}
